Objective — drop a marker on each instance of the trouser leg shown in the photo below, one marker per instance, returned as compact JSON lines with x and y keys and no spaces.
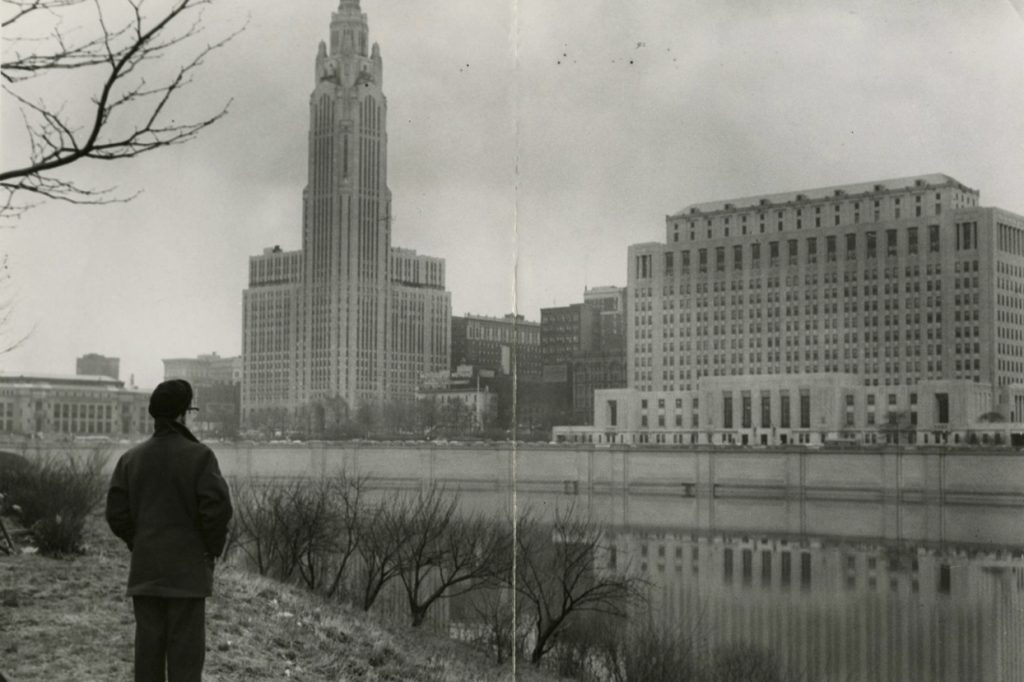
{"x":186,"y":639}
{"x":150,"y":638}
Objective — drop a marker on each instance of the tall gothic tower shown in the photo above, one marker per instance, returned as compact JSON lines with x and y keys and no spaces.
{"x":346,"y":233}
{"x":348,"y":316}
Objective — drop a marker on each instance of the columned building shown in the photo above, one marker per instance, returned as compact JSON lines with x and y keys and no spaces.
{"x":63,"y":407}
{"x":348,"y":316}
{"x":888,"y":290}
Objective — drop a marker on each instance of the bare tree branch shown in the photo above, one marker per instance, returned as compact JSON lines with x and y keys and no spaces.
{"x":131,"y":111}
{"x":557,"y":577}
{"x":8,"y":341}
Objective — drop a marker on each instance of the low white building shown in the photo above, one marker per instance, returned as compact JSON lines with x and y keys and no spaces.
{"x":804,"y":409}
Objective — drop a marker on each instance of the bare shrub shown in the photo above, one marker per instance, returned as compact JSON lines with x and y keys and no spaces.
{"x":557,"y":578}
{"x":55,"y":496}
{"x":352,"y":515}
{"x":443,"y":554}
{"x":495,"y":620}
{"x":302,"y":530}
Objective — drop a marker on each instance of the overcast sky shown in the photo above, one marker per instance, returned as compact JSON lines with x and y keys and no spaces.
{"x":530,"y":142}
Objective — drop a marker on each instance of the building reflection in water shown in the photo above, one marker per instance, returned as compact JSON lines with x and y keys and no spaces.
{"x":835,"y":611}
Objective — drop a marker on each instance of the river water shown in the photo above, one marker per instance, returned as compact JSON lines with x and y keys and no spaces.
{"x":858,"y":605}
{"x":840,"y":610}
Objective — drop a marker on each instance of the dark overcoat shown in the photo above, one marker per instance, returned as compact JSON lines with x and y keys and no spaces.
{"x":170,"y":504}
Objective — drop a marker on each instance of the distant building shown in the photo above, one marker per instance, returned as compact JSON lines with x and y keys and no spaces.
{"x":455,"y":397}
{"x":810,"y":409}
{"x":349,"y":318}
{"x":94,"y":364}
{"x":896,"y":281}
{"x":584,"y":349}
{"x":270,"y":321}
{"x":895,"y":295}
{"x":64,"y":407}
{"x":217,"y":385}
{"x":502,"y":345}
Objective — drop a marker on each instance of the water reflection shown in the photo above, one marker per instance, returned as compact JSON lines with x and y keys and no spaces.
{"x":838,"y":611}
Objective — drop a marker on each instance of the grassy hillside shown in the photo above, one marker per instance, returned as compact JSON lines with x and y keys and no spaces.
{"x":70,"y":620}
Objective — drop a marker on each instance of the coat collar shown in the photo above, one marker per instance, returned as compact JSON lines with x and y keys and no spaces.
{"x":166,"y":427}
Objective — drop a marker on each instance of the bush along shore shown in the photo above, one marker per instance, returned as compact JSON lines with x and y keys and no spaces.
{"x":311,"y":568}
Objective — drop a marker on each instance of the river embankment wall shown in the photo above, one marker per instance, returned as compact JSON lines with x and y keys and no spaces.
{"x":966,"y":495}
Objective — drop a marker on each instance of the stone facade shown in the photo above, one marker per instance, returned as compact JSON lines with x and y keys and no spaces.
{"x":348,"y":317}
{"x":57,"y":407}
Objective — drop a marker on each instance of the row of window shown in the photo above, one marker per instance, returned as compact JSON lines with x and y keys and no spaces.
{"x":810,"y":250}
{"x":789,"y":218}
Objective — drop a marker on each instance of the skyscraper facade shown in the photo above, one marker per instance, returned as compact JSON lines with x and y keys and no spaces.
{"x":348,"y":316}
{"x":896,"y":281}
{"x":825,"y":313}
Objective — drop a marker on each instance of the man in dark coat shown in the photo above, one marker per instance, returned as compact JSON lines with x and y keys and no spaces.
{"x":171,"y":506}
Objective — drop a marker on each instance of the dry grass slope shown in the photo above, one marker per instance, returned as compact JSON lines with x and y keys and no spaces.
{"x":70,"y":620}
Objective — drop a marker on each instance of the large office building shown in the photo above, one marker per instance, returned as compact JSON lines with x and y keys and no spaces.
{"x":502,"y":345}
{"x":583,"y":346}
{"x":888,"y":291}
{"x":348,"y":315}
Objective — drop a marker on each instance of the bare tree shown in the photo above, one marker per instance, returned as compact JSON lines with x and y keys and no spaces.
{"x":141,"y":63}
{"x":380,"y":547}
{"x":557,"y":577}
{"x":9,"y":339}
{"x":351,"y":519}
{"x":496,"y":620}
{"x":445,"y":555}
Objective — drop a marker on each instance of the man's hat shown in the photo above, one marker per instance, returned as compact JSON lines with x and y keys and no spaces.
{"x":170,"y":399}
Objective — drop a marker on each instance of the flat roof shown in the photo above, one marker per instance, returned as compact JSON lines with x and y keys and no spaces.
{"x":929,"y":180}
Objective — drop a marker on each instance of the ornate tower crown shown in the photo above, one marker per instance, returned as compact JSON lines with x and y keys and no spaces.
{"x":349,"y":29}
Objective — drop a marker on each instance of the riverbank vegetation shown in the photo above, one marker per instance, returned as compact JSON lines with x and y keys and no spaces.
{"x":551,"y":594}
{"x":68,"y":619}
{"x":330,"y":579}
